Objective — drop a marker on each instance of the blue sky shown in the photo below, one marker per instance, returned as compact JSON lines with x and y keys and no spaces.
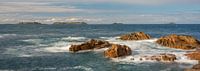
{"x":101,"y":11}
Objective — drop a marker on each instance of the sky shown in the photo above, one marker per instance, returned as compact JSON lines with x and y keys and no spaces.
{"x":101,"y":11}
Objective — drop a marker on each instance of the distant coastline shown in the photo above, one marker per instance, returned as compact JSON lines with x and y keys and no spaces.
{"x":69,"y":23}
{"x":38,"y":23}
{"x":29,"y":23}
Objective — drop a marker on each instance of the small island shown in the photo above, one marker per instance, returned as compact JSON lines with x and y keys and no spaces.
{"x":172,"y":23}
{"x":69,"y":23}
{"x":29,"y":23}
{"x":117,"y":23}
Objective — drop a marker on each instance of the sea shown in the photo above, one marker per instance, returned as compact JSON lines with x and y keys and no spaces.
{"x":32,"y":47}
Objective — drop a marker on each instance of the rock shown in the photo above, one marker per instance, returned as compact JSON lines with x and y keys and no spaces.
{"x":118,"y":51}
{"x":92,"y":44}
{"x":194,"y":55}
{"x":135,"y":36}
{"x":162,"y":57}
{"x":194,"y":68}
{"x":179,"y":42}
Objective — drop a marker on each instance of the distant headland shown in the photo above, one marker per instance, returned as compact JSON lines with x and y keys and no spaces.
{"x":29,"y":23}
{"x":69,"y":23}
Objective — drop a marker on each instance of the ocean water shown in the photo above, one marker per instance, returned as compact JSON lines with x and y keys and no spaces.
{"x":45,"y":47}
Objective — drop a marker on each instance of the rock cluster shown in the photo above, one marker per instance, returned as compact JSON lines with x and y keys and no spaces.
{"x":179,"y":42}
{"x":92,"y":44}
{"x":135,"y":36}
{"x":117,"y":51}
{"x":162,"y":57}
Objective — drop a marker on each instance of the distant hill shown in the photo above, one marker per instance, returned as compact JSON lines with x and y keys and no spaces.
{"x":29,"y":23}
{"x":69,"y":23}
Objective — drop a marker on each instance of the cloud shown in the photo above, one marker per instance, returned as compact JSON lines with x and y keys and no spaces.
{"x":142,"y":2}
{"x":182,"y":18}
{"x":21,"y":7}
{"x":48,"y":11}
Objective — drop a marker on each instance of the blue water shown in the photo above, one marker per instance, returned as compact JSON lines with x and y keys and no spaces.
{"x":22,"y":47}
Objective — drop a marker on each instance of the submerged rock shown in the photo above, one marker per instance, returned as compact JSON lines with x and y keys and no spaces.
{"x":179,"y":42}
{"x":135,"y":36}
{"x":92,"y":44}
{"x":194,"y":68}
{"x":162,"y":57}
{"x":118,"y":51}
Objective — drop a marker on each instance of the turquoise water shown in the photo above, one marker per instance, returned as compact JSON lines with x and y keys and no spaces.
{"x":45,"y":47}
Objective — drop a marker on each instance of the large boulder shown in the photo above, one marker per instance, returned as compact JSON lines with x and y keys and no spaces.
{"x":135,"y":36}
{"x":92,"y":44}
{"x":118,"y":51}
{"x":179,"y":42}
{"x":162,"y":57}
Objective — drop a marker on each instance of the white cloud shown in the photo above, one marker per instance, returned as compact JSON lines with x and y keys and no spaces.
{"x":12,"y":11}
{"x":142,"y":2}
{"x":21,"y":7}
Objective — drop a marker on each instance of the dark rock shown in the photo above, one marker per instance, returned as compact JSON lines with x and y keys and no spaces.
{"x":92,"y":44}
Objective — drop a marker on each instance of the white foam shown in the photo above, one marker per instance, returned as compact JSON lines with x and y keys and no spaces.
{"x":148,"y":47}
{"x":83,"y":68}
{"x":7,"y":35}
{"x":67,"y":68}
{"x":56,"y":49}
{"x":73,"y":38}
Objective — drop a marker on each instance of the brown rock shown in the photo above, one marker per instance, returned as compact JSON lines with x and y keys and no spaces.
{"x":179,"y":42}
{"x":162,"y":57}
{"x":92,"y":44}
{"x":135,"y":36}
{"x":118,"y":51}
{"x":194,"y":55}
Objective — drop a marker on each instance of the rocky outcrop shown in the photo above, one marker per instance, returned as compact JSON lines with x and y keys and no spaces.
{"x":194,"y":55}
{"x":118,"y":51}
{"x":92,"y":44}
{"x":135,"y":36}
{"x":162,"y":57}
{"x":179,"y":41}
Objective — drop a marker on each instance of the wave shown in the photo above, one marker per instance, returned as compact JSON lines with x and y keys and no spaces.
{"x":149,"y":47}
{"x":7,"y":35}
{"x":139,"y":48}
{"x":70,"y":38}
{"x":82,"y":68}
